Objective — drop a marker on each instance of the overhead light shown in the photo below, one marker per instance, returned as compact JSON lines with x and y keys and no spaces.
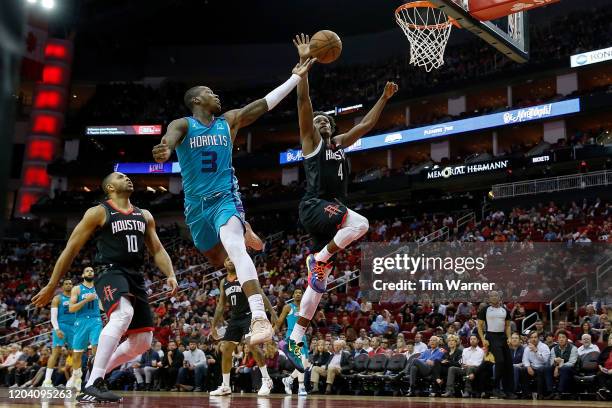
{"x":151,"y":189}
{"x":85,"y":188}
{"x":31,"y":1}
{"x":162,"y":188}
{"x":48,"y":4}
{"x":254,"y":185}
{"x":74,"y":96}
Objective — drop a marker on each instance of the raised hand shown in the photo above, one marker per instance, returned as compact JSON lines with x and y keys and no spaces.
{"x":390,"y":90}
{"x":42,"y":298}
{"x":302,"y":43}
{"x":161,"y":152}
{"x":302,"y":68}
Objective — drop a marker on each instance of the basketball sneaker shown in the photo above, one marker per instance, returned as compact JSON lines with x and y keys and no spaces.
{"x":261,"y":331}
{"x":302,"y":391}
{"x":293,"y":351}
{"x":288,"y":383}
{"x":316,"y":274}
{"x":98,"y":392}
{"x":47,"y":384}
{"x":222,"y":390}
{"x":266,"y":387}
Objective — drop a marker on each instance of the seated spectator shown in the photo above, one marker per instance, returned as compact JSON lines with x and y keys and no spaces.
{"x":244,"y":369}
{"x":377,"y":346}
{"x":536,"y":360}
{"x":605,"y":331}
{"x":563,"y":358}
{"x":145,"y":368}
{"x":339,"y":362}
{"x":452,"y":358}
{"x":566,"y":327}
{"x":400,"y":344}
{"x":379,"y":326}
{"x":591,"y":316}
{"x":419,"y":346}
{"x":38,"y":377}
{"x":170,"y":365}
{"x":423,"y":366}
{"x":516,"y":352}
{"x":8,"y":365}
{"x":604,"y":377}
{"x":194,"y":368}
{"x":587,"y":328}
{"x":587,"y":346}
{"x":352,"y":305}
{"x":358,"y":348}
{"x":334,"y":328}
{"x":26,"y":366}
{"x":410,"y":350}
{"x":471,"y":359}
{"x":550,"y":340}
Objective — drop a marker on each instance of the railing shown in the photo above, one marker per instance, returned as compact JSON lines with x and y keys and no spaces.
{"x":10,"y":315}
{"x":552,"y":184}
{"x":601,"y":270}
{"x":2,"y":338}
{"x":466,"y":219}
{"x":576,"y":288}
{"x":441,"y":233}
{"x":523,"y":328}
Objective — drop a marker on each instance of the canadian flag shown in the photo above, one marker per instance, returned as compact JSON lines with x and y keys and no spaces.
{"x":35,"y":40}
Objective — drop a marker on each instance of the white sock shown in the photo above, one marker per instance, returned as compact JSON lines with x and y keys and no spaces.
{"x":323,"y":255}
{"x":48,"y":374}
{"x":257,"y":306}
{"x":294,"y":374}
{"x":297,"y":334}
{"x":226,"y":380}
{"x":264,"y":372}
{"x":300,"y":378}
{"x":77,"y":374}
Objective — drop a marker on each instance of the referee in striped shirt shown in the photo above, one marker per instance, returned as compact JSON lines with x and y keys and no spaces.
{"x":496,"y":318}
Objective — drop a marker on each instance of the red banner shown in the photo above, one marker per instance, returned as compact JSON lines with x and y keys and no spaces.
{"x":485,"y":10}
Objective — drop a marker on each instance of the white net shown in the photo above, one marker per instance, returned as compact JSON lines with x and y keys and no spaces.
{"x":427,"y":29}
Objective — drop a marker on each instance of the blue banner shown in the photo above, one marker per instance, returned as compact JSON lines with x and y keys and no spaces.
{"x":147,"y":168}
{"x":545,"y":111}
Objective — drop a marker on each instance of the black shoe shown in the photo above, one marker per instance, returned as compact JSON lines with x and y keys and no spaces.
{"x":498,"y":394}
{"x":511,"y":395}
{"x":98,"y":392}
{"x":603,"y":394}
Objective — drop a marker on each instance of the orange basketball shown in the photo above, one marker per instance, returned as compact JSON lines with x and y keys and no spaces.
{"x":326,"y":46}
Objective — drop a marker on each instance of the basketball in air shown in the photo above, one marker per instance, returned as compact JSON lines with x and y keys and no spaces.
{"x":325,"y":46}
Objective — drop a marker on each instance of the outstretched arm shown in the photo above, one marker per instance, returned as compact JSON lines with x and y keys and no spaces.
{"x":369,"y":120}
{"x":160,"y":256}
{"x":176,"y":132}
{"x":239,"y":118}
{"x":282,"y":317}
{"x":93,"y":218}
{"x":218,"y":316}
{"x":308,"y":137}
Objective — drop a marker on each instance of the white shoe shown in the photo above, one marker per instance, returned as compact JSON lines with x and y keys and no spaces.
{"x":302,"y":392}
{"x":14,"y":386}
{"x":288,"y":383}
{"x":222,"y":390}
{"x":74,"y":383}
{"x":47,"y":384}
{"x":266,"y":387}
{"x":261,"y":331}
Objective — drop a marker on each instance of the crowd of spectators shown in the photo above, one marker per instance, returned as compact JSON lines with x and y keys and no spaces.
{"x":345,"y":323}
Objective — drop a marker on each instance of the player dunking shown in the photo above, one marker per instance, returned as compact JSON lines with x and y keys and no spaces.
{"x":124,"y":230}
{"x":62,"y":321}
{"x":331,"y":225}
{"x":213,"y":211}
{"x":237,"y":329}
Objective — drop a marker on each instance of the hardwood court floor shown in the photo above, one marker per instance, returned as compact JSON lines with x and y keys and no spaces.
{"x":191,"y":400}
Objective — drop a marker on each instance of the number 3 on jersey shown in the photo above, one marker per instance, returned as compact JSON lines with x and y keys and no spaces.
{"x":209,"y":162}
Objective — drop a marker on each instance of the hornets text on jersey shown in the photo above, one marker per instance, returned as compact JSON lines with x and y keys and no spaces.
{"x":205,"y":157}
{"x":121,"y":239}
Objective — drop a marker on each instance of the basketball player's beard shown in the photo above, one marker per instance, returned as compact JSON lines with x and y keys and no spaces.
{"x":88,"y":280}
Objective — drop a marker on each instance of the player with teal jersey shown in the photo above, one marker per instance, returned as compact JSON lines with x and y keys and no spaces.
{"x":62,"y":321}
{"x":213,"y":210}
{"x":88,"y":323}
{"x":291,"y":314}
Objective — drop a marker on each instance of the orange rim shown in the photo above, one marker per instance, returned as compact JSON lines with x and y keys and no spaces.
{"x":421,"y":3}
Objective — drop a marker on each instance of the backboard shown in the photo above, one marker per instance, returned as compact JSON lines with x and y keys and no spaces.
{"x":510,"y":34}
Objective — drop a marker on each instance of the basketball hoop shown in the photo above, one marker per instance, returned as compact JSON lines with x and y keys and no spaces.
{"x":427,"y":29}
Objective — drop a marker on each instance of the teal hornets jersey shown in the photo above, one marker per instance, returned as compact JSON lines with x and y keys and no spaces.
{"x":90,"y":309}
{"x":292,"y":318}
{"x":205,"y":157}
{"x":64,"y":316}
